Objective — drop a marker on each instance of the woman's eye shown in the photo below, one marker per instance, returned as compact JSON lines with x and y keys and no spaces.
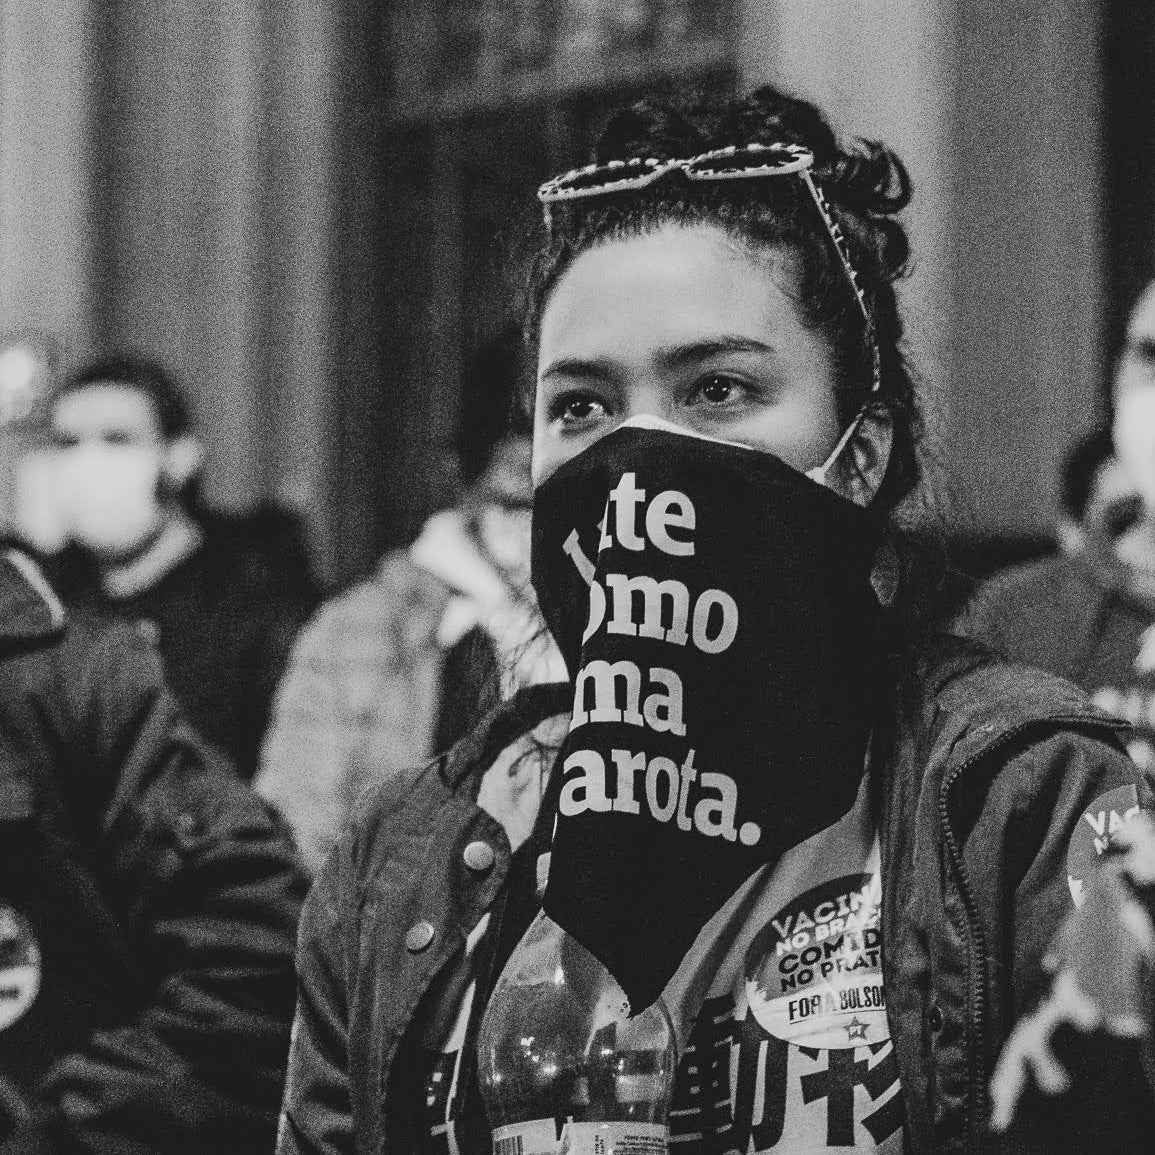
{"x":717,"y":389}
{"x":577,"y":409}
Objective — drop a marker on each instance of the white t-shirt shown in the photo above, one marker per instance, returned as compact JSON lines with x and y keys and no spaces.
{"x":790,"y":1050}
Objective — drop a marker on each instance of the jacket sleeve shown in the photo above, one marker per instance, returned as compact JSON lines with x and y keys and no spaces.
{"x":208,"y":887}
{"x":316,"y":1113}
{"x":1072,"y":790}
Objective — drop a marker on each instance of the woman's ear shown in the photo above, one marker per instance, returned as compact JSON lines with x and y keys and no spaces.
{"x":182,"y":461}
{"x":859,"y":471}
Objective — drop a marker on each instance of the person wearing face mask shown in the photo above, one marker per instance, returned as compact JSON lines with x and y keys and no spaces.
{"x":831,"y":846}
{"x":399,"y":666}
{"x":1098,"y":498}
{"x":223,"y":607}
{"x":1089,"y":615}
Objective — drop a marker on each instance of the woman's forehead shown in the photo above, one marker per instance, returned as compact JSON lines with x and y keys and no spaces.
{"x":675,"y":283}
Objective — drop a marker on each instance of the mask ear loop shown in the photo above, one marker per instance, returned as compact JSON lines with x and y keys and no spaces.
{"x":818,"y":474}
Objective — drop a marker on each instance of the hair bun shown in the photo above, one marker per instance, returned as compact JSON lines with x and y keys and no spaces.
{"x":866,"y":184}
{"x":867,"y":179}
{"x":870,"y":178}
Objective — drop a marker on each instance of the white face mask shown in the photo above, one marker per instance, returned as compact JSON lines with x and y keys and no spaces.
{"x":1135,"y":439}
{"x":107,"y":496}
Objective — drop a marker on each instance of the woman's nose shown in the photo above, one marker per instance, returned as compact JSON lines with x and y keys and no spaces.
{"x":650,"y":401}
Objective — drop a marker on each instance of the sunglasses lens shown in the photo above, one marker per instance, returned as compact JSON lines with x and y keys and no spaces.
{"x":744,"y":160}
{"x":605,"y":176}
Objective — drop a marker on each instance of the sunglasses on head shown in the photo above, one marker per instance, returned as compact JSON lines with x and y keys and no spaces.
{"x":736,"y":162}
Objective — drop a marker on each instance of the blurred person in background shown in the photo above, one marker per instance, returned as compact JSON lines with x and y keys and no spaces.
{"x":1089,"y":614}
{"x":148,"y":903}
{"x":222,"y":601}
{"x":28,"y":366}
{"x":1098,"y":500}
{"x":401,"y":665}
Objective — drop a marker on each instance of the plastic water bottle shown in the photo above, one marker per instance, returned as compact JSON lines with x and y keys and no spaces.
{"x":563,"y":1067}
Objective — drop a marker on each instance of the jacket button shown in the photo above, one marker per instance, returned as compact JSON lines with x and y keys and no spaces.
{"x":419,"y":936}
{"x":934,"y":1017}
{"x":478,"y":856}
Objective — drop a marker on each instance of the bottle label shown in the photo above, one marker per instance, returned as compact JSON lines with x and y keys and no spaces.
{"x":540,"y":1137}
{"x":536,"y":1137}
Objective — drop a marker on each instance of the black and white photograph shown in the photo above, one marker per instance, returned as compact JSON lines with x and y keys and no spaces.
{"x":577,"y":577}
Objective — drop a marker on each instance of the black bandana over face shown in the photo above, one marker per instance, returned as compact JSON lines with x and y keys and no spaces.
{"x":715,"y":613}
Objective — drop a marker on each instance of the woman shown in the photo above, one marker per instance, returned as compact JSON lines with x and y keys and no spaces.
{"x":715,"y":305}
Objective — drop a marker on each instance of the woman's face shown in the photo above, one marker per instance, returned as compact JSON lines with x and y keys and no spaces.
{"x":685,"y":325}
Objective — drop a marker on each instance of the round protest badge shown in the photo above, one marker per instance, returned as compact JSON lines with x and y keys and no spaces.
{"x":814,"y":973}
{"x":1097,"y":825}
{"x":19,"y":966}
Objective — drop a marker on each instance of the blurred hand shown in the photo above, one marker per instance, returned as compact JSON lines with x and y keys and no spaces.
{"x":1104,"y":963}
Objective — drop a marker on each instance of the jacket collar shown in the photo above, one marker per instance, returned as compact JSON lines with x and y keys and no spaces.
{"x":29,"y":610}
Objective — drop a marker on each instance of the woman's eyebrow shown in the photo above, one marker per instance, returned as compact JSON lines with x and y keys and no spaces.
{"x":669,"y":359}
{"x":582,"y":368}
{"x":679,"y":356}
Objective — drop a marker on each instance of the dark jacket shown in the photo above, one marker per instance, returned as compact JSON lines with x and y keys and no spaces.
{"x":149,"y":897}
{"x":983,"y":773}
{"x":224,"y":619}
